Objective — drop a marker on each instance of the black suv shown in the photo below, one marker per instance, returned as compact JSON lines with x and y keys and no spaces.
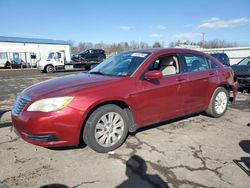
{"x":222,"y":57}
{"x":242,"y":71}
{"x":92,"y":55}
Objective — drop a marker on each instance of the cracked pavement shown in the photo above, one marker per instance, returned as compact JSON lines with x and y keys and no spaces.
{"x":194,"y":151}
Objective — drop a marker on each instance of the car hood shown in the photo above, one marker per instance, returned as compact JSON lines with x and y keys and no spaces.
{"x":241,"y":70}
{"x":66,"y":85}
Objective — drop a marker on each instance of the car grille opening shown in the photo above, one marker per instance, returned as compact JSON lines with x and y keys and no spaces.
{"x":19,"y":104}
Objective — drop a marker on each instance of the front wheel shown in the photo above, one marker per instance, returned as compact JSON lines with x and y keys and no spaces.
{"x":7,"y":65}
{"x":100,"y":59}
{"x":49,"y":69}
{"x":93,"y":66}
{"x":218,"y":103}
{"x":106,"y":128}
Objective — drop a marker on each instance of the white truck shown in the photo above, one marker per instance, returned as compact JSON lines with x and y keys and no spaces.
{"x":57,"y":61}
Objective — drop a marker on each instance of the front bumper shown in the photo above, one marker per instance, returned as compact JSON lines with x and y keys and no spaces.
{"x":53,"y":129}
{"x":243,"y":82}
{"x":40,"y":67}
{"x":41,"y":138}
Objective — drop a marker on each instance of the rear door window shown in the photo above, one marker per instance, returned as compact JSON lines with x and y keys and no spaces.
{"x":212,"y":65}
{"x":195,"y":63}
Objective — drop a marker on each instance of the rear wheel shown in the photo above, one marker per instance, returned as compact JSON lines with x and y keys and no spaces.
{"x":106,"y":128}
{"x":87,"y":67}
{"x":218,"y":103}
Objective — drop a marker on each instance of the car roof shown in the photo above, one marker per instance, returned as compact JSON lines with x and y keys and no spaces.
{"x":95,"y":49}
{"x":216,"y":53}
{"x":167,"y":50}
{"x":91,"y":49}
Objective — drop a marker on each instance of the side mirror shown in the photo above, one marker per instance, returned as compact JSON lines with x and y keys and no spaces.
{"x":153,"y":75}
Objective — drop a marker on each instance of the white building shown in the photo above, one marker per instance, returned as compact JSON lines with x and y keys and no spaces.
{"x":29,"y":50}
{"x":235,"y":54}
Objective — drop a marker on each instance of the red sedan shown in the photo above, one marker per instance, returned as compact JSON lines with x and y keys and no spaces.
{"x":128,"y":91}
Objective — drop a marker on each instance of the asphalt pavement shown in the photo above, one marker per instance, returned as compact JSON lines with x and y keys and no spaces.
{"x":195,"y":151}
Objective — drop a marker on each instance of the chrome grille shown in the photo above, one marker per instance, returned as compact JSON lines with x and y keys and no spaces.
{"x":19,"y":104}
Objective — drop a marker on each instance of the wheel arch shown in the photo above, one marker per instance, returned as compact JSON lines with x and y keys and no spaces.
{"x":232,"y":92}
{"x":122,"y":104}
{"x":210,"y":111}
{"x":45,"y":67}
{"x":226,"y":86}
{"x":223,"y":85}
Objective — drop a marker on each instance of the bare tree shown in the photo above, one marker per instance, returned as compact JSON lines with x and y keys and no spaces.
{"x":219,"y":44}
{"x":123,"y":46}
{"x":134,"y":45}
{"x":74,"y":49}
{"x":208,"y":44}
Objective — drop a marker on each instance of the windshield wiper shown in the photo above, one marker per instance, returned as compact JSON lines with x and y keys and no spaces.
{"x":101,"y":73}
{"x":96,"y":72}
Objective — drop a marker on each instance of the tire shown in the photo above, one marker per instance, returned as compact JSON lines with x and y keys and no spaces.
{"x":218,"y":103}
{"x":87,"y":67}
{"x":93,"y":66}
{"x":7,"y":65}
{"x":101,"y":135}
{"x":49,"y":69}
{"x":100,"y":59}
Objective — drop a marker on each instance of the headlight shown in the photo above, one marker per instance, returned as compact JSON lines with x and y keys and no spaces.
{"x":50,"y":104}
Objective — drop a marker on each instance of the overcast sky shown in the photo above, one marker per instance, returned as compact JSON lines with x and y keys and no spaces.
{"x":111,"y":21}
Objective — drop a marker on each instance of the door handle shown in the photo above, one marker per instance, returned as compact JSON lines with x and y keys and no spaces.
{"x":211,"y":73}
{"x":180,"y":79}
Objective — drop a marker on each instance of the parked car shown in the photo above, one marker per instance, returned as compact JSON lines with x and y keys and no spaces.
{"x":91,"y":55}
{"x":75,"y":58}
{"x":127,"y":91}
{"x":222,"y":57}
{"x":242,"y":71}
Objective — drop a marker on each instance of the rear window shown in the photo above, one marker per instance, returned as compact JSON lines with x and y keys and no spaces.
{"x":97,"y":51}
{"x":222,"y":57}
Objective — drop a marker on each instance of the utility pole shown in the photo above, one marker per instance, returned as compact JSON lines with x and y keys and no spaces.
{"x":203,"y":39}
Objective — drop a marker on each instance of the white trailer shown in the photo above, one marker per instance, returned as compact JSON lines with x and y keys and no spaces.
{"x":18,"y":56}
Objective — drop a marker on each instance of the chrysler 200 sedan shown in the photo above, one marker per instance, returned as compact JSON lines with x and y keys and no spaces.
{"x":125,"y":92}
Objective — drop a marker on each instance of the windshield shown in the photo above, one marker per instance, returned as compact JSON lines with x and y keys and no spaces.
{"x":122,"y":64}
{"x":51,"y":55}
{"x":245,"y":61}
